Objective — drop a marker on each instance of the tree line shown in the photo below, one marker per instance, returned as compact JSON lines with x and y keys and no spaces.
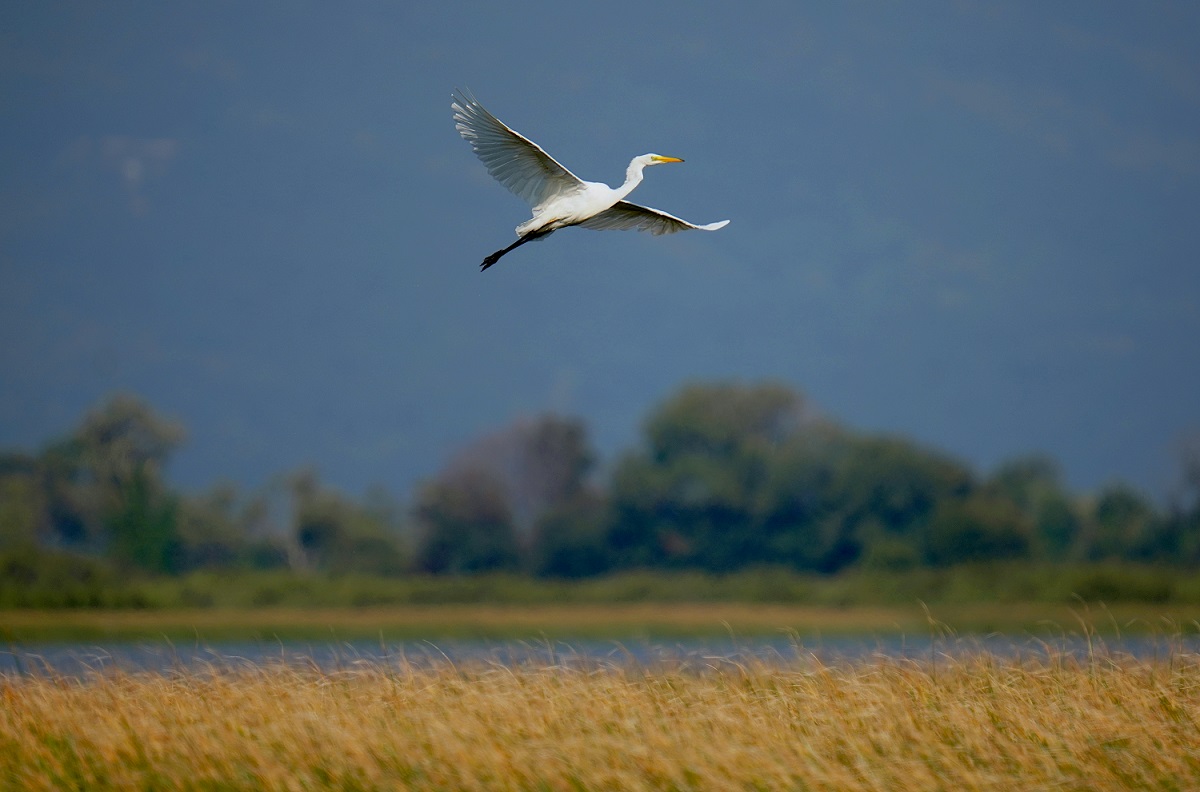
{"x":726,"y":477}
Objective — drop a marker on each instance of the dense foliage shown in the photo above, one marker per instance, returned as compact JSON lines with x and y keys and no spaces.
{"x":728,"y":477}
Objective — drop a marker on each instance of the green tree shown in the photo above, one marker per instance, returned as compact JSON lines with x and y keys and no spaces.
{"x":836,"y":497}
{"x":22,"y":505}
{"x":113,"y":466}
{"x":801,"y":509}
{"x":694,"y":496}
{"x":723,"y":420}
{"x":335,"y":534}
{"x":143,"y":525}
{"x":1034,"y":485}
{"x":74,"y":506}
{"x":1123,"y":524}
{"x":570,"y":541}
{"x":980,"y":528}
{"x":735,"y":475}
{"x":465,"y":525}
{"x":898,"y":484}
{"x":220,"y":528}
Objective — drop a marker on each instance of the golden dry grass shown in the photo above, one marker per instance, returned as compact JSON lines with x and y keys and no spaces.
{"x":971,"y":722}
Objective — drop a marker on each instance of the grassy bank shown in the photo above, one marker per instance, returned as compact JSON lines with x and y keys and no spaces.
{"x":620,"y":621}
{"x":49,"y":582}
{"x":977,"y":722}
{"x":278,"y":605}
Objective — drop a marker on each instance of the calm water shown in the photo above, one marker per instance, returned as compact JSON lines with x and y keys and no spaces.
{"x":76,"y":659}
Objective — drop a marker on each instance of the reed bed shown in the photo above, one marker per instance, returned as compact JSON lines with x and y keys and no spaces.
{"x":1051,"y":720}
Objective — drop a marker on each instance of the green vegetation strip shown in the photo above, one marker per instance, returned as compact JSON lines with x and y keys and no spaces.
{"x":591,"y":621}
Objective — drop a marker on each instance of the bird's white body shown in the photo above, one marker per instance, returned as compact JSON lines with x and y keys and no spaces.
{"x":570,"y":208}
{"x":559,"y":198}
{"x":589,"y":199}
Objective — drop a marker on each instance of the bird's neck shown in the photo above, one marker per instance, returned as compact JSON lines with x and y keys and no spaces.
{"x":633,"y":177}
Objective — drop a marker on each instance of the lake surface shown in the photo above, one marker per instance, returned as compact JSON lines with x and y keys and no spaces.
{"x":81,"y":659}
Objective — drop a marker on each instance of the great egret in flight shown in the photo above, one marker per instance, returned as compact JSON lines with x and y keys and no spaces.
{"x":559,"y":198}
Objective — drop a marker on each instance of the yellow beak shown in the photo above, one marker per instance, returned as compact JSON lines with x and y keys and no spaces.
{"x":666,"y":159}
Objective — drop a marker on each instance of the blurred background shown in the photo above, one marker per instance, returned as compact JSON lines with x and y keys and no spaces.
{"x":239,"y":249}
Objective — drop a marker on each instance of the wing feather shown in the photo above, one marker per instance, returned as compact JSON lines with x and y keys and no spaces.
{"x":513,"y":160}
{"x":625,"y":216}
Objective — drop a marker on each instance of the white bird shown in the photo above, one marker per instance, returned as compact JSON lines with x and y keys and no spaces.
{"x":559,"y":198}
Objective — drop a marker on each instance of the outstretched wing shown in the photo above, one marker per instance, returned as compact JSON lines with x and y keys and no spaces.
{"x":513,"y":160}
{"x":625,"y":216}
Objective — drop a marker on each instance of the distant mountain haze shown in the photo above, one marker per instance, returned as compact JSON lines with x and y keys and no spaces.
{"x":968,"y":224}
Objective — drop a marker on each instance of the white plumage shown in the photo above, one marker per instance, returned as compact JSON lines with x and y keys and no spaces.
{"x":559,"y":198}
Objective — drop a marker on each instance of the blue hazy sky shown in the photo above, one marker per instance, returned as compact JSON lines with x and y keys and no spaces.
{"x":972,"y":223}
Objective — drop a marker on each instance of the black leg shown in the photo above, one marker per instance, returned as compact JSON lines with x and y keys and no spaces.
{"x":492,"y":259}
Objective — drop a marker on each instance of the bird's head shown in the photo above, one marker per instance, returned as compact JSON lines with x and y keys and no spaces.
{"x":638,"y":164}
